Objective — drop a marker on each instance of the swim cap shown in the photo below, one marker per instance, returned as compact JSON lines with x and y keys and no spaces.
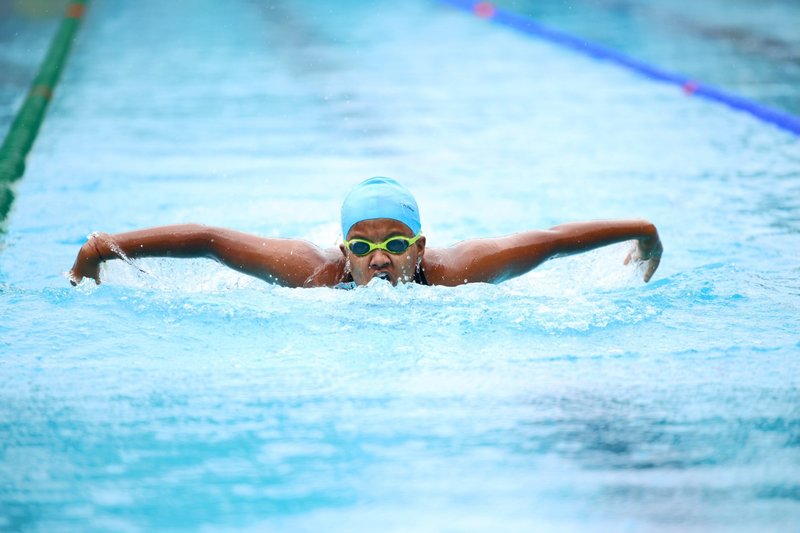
{"x":379,"y":197}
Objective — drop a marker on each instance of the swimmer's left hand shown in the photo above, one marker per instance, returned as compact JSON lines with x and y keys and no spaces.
{"x":87,"y":263}
{"x":647,"y":251}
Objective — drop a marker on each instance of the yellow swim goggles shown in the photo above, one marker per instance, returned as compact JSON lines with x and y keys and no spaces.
{"x":393,"y":245}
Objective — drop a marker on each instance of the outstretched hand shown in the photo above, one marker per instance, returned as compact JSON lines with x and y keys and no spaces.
{"x":647,"y":251}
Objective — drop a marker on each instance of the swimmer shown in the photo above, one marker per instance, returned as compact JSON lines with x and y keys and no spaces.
{"x":382,"y":237}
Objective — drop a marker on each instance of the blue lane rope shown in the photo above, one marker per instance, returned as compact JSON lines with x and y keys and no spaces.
{"x":690,"y":87}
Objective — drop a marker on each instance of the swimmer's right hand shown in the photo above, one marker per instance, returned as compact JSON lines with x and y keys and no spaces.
{"x":87,"y":264}
{"x":647,"y":251}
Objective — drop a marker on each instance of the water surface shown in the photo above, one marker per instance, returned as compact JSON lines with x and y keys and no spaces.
{"x":573,"y":398}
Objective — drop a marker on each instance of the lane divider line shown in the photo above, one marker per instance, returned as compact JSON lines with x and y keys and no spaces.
{"x":25,"y":126}
{"x":690,"y":87}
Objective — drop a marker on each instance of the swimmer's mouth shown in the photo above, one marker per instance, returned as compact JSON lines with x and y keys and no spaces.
{"x":383,"y":275}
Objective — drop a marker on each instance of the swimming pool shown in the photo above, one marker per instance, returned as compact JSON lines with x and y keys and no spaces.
{"x":574,"y":398}
{"x":745,"y":46}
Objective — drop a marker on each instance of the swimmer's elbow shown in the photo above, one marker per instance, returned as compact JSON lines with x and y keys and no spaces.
{"x":208,"y":241}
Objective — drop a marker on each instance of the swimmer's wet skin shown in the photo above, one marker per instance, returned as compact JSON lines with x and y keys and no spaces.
{"x":381,"y":239}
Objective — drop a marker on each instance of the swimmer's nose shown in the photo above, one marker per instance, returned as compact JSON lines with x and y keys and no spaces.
{"x":379,"y":259}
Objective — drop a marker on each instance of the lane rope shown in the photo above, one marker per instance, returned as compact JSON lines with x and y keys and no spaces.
{"x":689,"y":87}
{"x":25,"y":126}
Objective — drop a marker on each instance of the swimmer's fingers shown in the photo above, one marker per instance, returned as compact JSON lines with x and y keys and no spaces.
{"x":76,"y":278}
{"x":87,"y":265}
{"x":628,"y":258}
{"x":651,"y":252}
{"x":634,"y":254}
{"x":648,"y":252}
{"x":652,"y":265}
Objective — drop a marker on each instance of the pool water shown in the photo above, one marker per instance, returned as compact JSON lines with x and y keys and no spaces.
{"x":574,"y":398}
{"x":25,"y":31}
{"x":748,"y":47}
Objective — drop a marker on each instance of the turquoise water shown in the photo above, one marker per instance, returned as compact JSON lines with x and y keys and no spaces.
{"x":576,"y":397}
{"x":25,"y":32}
{"x":749,"y":47}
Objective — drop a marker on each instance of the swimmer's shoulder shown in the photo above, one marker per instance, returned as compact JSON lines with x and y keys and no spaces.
{"x":437,"y":264}
{"x":469,"y":261}
{"x":330,"y":271}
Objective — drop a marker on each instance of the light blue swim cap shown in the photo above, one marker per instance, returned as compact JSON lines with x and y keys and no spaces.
{"x":380,"y":197}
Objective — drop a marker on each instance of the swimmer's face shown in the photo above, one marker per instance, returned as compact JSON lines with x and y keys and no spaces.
{"x":396,"y":268}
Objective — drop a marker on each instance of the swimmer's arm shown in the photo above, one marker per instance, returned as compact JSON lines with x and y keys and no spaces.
{"x":499,"y":259}
{"x":288,"y":262}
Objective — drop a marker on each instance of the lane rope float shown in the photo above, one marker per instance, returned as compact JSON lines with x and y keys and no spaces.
{"x":689,"y":87}
{"x":25,"y":126}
